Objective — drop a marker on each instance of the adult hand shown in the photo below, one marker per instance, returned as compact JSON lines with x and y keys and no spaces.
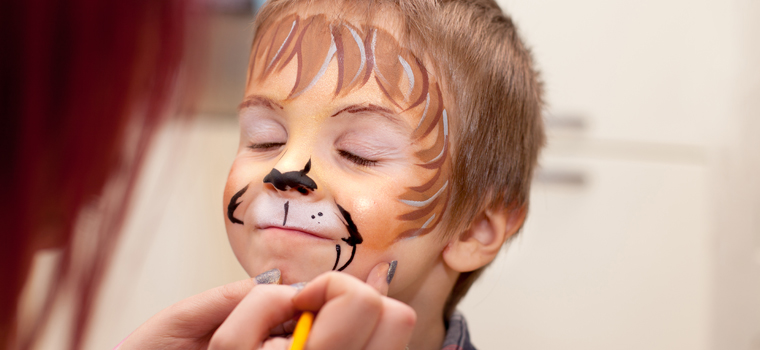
{"x":354,"y":315}
{"x":351,"y":314}
{"x":190,"y":323}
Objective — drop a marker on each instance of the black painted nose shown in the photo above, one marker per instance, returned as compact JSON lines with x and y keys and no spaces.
{"x":292,"y":180}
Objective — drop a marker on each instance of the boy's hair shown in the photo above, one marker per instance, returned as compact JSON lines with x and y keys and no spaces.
{"x":493,"y":93}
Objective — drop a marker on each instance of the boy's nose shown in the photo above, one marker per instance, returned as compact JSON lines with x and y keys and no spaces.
{"x":292,"y":180}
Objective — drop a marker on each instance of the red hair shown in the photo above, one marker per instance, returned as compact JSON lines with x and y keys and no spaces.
{"x":77,"y":76}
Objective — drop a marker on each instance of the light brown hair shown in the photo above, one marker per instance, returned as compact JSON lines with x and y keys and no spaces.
{"x":491,"y":90}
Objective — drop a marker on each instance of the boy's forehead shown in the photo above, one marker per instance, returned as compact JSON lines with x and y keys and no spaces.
{"x":303,"y":52}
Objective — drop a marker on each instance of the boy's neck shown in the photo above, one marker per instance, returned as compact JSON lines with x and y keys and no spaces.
{"x":428,"y":300}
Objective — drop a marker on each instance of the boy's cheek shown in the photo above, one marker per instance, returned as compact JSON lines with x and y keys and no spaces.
{"x":380,"y":228}
{"x":374,"y":207}
{"x":243,"y":173}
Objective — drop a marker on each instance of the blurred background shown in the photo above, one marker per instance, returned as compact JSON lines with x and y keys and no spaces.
{"x":644,"y":226}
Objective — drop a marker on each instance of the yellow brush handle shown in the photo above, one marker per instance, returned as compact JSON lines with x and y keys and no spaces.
{"x":302,"y":330}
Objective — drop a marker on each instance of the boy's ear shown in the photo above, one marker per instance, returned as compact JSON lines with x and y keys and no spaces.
{"x":479,"y":244}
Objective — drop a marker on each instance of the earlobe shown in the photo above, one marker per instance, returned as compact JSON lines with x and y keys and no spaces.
{"x":481,"y":242}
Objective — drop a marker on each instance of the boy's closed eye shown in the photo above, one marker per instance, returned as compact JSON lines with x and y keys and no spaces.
{"x":260,"y":130}
{"x":370,"y":145}
{"x":266,"y":146}
{"x":357,"y":159}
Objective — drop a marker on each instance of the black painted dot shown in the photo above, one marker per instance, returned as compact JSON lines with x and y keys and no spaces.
{"x":312,"y":216}
{"x":320,"y":213}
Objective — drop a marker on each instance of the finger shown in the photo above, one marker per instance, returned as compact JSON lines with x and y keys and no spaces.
{"x":206,"y":311}
{"x":272,"y":276}
{"x":348,"y":311}
{"x":191,"y":319}
{"x":288,"y":326}
{"x":381,"y":275}
{"x":395,"y":327}
{"x":249,"y":324}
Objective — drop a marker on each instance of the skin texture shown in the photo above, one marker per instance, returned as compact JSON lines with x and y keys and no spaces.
{"x":367,"y":121}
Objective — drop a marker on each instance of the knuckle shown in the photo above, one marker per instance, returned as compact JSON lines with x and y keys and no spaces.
{"x":401,"y":313}
{"x":369,"y":299}
{"x":408,"y":317}
{"x":335,"y":277}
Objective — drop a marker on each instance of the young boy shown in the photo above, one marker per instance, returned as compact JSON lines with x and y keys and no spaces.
{"x":401,"y":133}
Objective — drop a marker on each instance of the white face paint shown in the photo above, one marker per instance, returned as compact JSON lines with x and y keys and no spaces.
{"x":320,"y":219}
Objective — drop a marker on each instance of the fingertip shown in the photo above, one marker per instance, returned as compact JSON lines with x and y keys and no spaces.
{"x":378,"y":277}
{"x":409,"y":317}
{"x":272,"y":276}
{"x":391,"y":271}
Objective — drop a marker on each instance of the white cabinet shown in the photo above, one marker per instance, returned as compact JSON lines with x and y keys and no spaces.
{"x":651,"y":71}
{"x":620,"y":261}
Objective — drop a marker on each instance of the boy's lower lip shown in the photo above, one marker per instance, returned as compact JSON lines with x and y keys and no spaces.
{"x":288,"y":230}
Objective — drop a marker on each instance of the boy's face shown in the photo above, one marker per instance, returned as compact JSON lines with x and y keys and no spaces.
{"x":344,"y":155}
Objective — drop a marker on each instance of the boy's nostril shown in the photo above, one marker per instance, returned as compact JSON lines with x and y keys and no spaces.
{"x":303,"y":190}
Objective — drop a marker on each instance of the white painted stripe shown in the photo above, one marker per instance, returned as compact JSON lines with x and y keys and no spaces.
{"x":322,"y":70}
{"x":445,"y":137}
{"x":424,"y":113}
{"x":283,"y":44}
{"x":360,"y":44}
{"x":409,"y":75}
{"x":420,"y":204}
{"x":445,"y":124}
{"x":443,"y":149}
{"x":425,"y":225}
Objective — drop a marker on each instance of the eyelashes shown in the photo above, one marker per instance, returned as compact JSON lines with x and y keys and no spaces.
{"x":356,"y":159}
{"x":271,"y":146}
{"x":267,"y":146}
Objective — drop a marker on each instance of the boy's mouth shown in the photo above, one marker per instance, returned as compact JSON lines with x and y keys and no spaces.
{"x":295,"y":230}
{"x":323,"y":220}
{"x":317,"y":219}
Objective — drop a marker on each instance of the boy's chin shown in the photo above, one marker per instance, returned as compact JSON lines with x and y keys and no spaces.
{"x":293,"y":269}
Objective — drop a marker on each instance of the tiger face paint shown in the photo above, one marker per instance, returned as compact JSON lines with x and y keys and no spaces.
{"x":369,"y":118}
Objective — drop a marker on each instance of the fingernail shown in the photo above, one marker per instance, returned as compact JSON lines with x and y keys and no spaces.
{"x":270,"y":277}
{"x":298,"y":286}
{"x":391,"y":271}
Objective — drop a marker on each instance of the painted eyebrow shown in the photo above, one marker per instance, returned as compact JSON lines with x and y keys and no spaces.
{"x":256,"y":100}
{"x":369,"y":108}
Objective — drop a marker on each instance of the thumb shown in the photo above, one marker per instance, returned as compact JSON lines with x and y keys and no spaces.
{"x":211,"y":308}
{"x":195,"y":317}
{"x":381,"y":276}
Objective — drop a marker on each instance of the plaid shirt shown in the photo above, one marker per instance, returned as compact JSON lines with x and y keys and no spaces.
{"x":457,"y":336}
